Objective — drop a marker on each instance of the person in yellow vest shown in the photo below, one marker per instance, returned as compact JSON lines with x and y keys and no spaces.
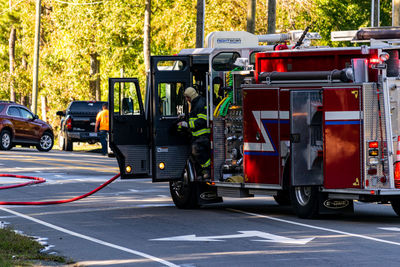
{"x":102,"y":126}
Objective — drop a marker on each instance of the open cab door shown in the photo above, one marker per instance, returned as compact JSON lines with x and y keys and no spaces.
{"x":170,"y":76}
{"x":129,"y":128}
{"x":145,"y":138}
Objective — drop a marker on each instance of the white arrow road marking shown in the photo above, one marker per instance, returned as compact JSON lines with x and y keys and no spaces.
{"x":267,"y":237}
{"x":396,"y":229}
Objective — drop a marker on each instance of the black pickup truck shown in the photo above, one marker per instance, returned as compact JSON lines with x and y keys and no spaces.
{"x":78,"y":122}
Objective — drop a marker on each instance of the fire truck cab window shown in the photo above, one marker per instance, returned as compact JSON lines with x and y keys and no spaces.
{"x":169,"y":65}
{"x":171,"y":100}
{"x":224,"y":61}
{"x":253,"y":58}
{"x":127,"y":102}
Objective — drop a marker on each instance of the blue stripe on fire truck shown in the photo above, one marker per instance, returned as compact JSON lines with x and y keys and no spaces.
{"x":263,"y":118}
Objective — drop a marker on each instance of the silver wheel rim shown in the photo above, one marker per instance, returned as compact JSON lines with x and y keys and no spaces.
{"x":303,"y":194}
{"x":46,"y":142}
{"x":178,"y":186}
{"x":5,"y":140}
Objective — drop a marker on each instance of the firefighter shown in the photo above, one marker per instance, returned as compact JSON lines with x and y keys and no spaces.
{"x":197,"y":125}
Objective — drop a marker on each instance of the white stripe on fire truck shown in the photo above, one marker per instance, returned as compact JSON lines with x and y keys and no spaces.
{"x":273,"y":114}
{"x":267,"y":146}
{"x":342,"y":115}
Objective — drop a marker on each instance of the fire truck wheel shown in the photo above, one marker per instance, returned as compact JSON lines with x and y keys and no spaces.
{"x":396,"y":206}
{"x":304,"y":201}
{"x":283,"y":198}
{"x":183,"y":192}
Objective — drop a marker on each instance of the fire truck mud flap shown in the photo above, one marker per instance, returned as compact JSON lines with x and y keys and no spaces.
{"x":308,"y":203}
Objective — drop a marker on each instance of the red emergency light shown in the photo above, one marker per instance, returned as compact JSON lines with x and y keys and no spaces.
{"x":373,"y":144}
{"x":374,"y":60}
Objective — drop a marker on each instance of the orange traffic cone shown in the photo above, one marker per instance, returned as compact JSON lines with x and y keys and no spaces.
{"x":397,"y":165}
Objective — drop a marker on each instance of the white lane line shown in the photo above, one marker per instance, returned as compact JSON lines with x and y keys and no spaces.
{"x":396,"y":229}
{"x":316,"y":227}
{"x":95,"y":240}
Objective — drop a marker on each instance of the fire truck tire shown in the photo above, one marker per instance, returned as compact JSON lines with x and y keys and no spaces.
{"x":184,"y":192}
{"x":396,"y":206}
{"x":305,"y":201}
{"x":283,"y":198}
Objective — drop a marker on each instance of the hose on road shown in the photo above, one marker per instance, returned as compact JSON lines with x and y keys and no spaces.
{"x":37,"y":180}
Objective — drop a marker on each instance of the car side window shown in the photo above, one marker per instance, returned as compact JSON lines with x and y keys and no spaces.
{"x":26,"y":114}
{"x":13,"y":111}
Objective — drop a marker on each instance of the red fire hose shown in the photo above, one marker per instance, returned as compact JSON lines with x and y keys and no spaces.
{"x":37,"y":180}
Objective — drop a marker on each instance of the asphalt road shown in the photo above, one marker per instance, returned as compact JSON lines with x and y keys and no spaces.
{"x":134,"y":222}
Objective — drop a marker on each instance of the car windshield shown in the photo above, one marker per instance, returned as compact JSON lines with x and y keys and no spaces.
{"x":92,"y":107}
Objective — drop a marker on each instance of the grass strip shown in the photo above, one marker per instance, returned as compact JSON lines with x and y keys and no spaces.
{"x":20,"y":250}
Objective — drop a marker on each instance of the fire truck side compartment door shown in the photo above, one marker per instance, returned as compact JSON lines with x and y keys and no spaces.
{"x":306,"y":138}
{"x":129,"y":129}
{"x":170,"y":76}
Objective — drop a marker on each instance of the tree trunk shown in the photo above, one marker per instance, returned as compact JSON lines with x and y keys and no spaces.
{"x":271,"y":16}
{"x":200,"y":24}
{"x":11,"y":47}
{"x":146,"y":35}
{"x":251,"y":16}
{"x":396,"y":13}
{"x":25,"y":98}
{"x":94,"y":82}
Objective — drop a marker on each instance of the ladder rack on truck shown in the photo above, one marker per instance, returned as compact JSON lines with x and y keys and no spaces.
{"x":315,"y":127}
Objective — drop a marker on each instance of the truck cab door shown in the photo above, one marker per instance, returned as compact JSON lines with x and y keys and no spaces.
{"x":129,"y":128}
{"x":170,"y":76}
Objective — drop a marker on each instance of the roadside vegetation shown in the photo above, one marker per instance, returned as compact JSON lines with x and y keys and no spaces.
{"x":19,"y":250}
{"x":85,"y":42}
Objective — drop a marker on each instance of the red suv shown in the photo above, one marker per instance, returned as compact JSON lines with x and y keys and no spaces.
{"x":19,"y":126}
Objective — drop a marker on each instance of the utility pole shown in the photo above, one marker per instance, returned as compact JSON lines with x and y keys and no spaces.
{"x":375,"y":13}
{"x":36,"y":58}
{"x":395,"y":12}
{"x":200,"y":23}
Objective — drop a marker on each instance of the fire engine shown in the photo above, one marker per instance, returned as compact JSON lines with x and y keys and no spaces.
{"x":314,"y":127}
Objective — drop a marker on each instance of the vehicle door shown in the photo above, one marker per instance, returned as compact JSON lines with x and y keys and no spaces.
{"x":14,"y":116}
{"x":30,"y":127}
{"x":170,"y":76}
{"x":129,"y":129}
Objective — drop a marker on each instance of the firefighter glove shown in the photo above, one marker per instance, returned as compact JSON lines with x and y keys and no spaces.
{"x":183,"y":124}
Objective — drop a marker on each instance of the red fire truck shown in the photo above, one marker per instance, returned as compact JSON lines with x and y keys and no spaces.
{"x":315,"y":127}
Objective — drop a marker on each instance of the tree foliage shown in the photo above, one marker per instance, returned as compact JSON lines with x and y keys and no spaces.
{"x":114,"y":30}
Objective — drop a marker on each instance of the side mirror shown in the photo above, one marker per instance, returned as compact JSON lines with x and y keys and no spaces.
{"x":60,"y":113}
{"x":35,"y":117}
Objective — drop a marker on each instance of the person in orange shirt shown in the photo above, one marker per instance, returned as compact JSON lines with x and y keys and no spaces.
{"x":102,"y":124}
